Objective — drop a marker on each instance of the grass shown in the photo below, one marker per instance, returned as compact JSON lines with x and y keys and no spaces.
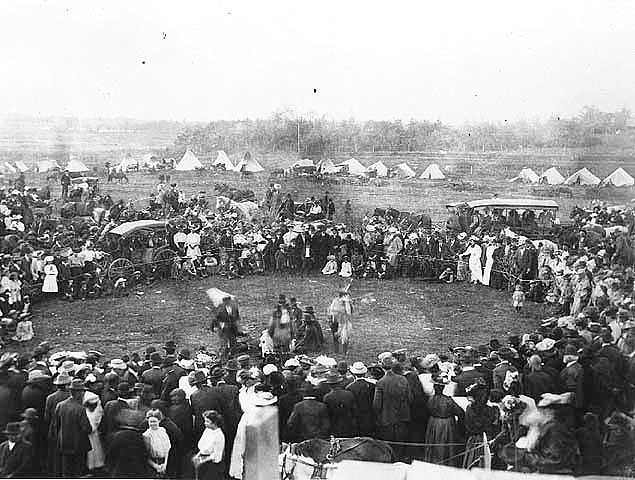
{"x":420,"y":316}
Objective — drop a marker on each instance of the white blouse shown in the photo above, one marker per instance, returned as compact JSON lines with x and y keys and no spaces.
{"x":212,"y":443}
{"x":157,"y":442}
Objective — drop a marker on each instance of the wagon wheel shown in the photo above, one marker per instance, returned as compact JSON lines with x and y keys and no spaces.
{"x":163,"y":258}
{"x":121,"y":267}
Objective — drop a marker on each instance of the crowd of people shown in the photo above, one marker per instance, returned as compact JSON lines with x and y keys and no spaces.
{"x":543,"y":400}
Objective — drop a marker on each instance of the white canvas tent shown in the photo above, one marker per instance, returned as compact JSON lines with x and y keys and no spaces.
{"x":354,"y":167}
{"x":249,"y":164}
{"x":619,"y":178}
{"x":432,"y":172}
{"x":46,"y":165}
{"x":403,"y":170}
{"x":76,"y":166}
{"x":222,"y":160}
{"x":327,"y":167}
{"x":379,"y":168}
{"x":21,"y":166}
{"x":552,"y":176}
{"x":526,"y":175}
{"x":188,"y":162}
{"x":582,"y":177}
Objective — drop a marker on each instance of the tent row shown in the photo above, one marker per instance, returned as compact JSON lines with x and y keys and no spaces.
{"x":354,"y":167}
{"x":619,"y":178}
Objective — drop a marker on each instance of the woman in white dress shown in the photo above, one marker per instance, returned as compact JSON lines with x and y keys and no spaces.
{"x":211,"y":447}
{"x":96,"y":457}
{"x":157,"y":442}
{"x":474,"y":251}
{"x":489,"y":262}
{"x":50,"y":276}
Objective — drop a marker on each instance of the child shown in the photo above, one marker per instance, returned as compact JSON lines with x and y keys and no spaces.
{"x":346,"y":269}
{"x":211,"y":265}
{"x":280,"y":259}
{"x":119,"y":288}
{"x":357,"y":262}
{"x":447,"y":276}
{"x":175,"y":271}
{"x":331,"y":265}
{"x":518,"y":298}
{"x":233,"y":269}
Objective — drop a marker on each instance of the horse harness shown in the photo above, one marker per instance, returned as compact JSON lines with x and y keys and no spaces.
{"x":335,"y":451}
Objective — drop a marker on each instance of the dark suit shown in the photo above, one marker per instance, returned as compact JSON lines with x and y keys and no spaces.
{"x":127,"y":456}
{"x":465,"y":379}
{"x":341,"y":408}
{"x":537,"y":383}
{"x":286,"y":402}
{"x":206,"y":398}
{"x":499,"y":373}
{"x":154,"y":377}
{"x":572,"y":380}
{"x":16,"y":463}
{"x":34,"y":396}
{"x":171,"y":376}
{"x":109,"y":423}
{"x":73,"y":428}
{"x":392,"y":408}
{"x":309,"y":419}
{"x":364,"y":392}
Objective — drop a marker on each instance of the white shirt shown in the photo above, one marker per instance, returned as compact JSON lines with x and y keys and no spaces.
{"x":212,"y":443}
{"x":11,"y":445}
{"x":179,"y":237}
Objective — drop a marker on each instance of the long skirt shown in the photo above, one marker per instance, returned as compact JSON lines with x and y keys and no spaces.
{"x":474,"y":452}
{"x":441,"y":436}
{"x":211,"y":471}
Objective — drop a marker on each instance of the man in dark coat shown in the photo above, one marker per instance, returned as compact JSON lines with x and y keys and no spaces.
{"x":364,"y":392}
{"x":500,"y":370}
{"x":469,"y":374}
{"x":172,"y":372}
{"x":62,"y":381}
{"x":229,"y":406}
{"x":127,"y":456}
{"x":309,"y":418}
{"x":226,"y":321}
{"x":16,"y":454}
{"x":154,"y":375}
{"x":286,"y":402}
{"x":112,"y":409}
{"x":572,"y":380}
{"x":392,"y":407}
{"x":73,"y":427}
{"x":180,"y":413}
{"x":203,"y":399}
{"x":526,"y":260}
{"x":36,"y":390}
{"x":341,"y":407}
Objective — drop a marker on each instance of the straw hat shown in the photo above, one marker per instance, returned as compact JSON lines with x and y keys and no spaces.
{"x":358,"y":368}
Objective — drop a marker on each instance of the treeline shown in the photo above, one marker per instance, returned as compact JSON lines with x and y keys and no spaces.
{"x":286,"y":132}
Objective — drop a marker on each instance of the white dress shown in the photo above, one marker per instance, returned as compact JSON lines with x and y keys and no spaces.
{"x":489,"y":263}
{"x":346,"y":270}
{"x":50,"y":279}
{"x":474,"y":262}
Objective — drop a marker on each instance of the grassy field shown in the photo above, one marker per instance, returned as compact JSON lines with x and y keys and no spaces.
{"x":422,"y":317}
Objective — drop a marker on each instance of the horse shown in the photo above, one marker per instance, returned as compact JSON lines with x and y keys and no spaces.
{"x":119,"y":176}
{"x":307,"y":459}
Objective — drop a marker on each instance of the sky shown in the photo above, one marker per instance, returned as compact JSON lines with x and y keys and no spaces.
{"x":453,"y":61}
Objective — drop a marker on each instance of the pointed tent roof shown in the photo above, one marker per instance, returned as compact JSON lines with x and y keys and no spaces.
{"x":21,"y":166}
{"x":619,"y":178}
{"x":552,"y":176}
{"x":526,"y":175}
{"x":327,"y":166}
{"x":354,"y":167}
{"x":432,"y":172}
{"x":248,"y":164}
{"x":76,"y":166}
{"x":223,"y":160}
{"x":582,"y":177}
{"x":188,"y":162}
{"x":404,"y":170}
{"x":380,"y":168}
{"x":10,"y":168}
{"x":46,"y":165}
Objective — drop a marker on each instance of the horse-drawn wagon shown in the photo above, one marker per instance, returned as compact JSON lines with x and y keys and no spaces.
{"x":140,"y":245}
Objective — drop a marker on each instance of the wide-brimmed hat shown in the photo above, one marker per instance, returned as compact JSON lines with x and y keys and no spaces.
{"x":12,"y":428}
{"x":333,"y":378}
{"x":62,"y":379}
{"x":118,"y":364}
{"x":292,"y":363}
{"x":383,"y":356}
{"x":30,"y":414}
{"x":37,"y":375}
{"x":68,"y":366}
{"x":217,"y":373}
{"x":545,"y":345}
{"x":269,"y":369}
{"x":358,"y":368}
{"x":77,"y":384}
{"x":264,"y":398}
